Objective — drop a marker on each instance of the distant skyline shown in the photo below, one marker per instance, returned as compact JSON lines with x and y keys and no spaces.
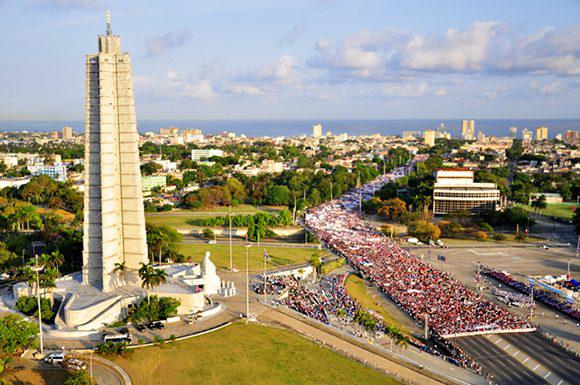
{"x":299,"y":59}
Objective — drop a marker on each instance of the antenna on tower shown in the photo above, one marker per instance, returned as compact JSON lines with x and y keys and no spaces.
{"x":108,"y":17}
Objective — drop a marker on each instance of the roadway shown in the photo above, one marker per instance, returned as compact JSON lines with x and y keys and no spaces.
{"x":505,"y":369}
{"x":552,"y":357}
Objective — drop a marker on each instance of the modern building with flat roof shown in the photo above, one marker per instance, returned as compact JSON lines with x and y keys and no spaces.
{"x":198,"y":153}
{"x":455,"y":191}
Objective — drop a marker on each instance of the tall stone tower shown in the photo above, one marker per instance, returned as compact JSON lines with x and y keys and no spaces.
{"x":114,"y":220}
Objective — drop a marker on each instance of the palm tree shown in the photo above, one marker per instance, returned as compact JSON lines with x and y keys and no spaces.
{"x":539,"y":204}
{"x":54,"y":259}
{"x":25,"y":274}
{"x":48,"y":280}
{"x":120,"y":269}
{"x":147,"y":275}
{"x":159,"y":278}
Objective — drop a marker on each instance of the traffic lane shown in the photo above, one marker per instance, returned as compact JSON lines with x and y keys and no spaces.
{"x":505,"y":369}
{"x":105,"y":375}
{"x":552,"y":357}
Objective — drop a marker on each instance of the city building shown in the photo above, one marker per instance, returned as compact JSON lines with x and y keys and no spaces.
{"x":56,"y":172}
{"x":513,"y":132}
{"x":572,"y":136}
{"x":550,"y":197}
{"x":9,"y":160}
{"x":542,"y":133}
{"x":410,"y":134}
{"x":442,"y":132}
{"x":526,"y":136}
{"x":429,"y":136}
{"x":169,"y":131}
{"x":198,"y":153}
{"x":13,"y":182}
{"x":54,"y":135}
{"x":67,"y":133}
{"x":481,"y":137}
{"x":468,"y":129}
{"x":149,"y":182}
{"x":317,"y":130}
{"x":455,"y":190}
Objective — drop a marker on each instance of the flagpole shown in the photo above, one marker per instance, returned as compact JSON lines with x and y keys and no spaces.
{"x":265,"y":280}
{"x":247,"y":247}
{"x":230,"y":220}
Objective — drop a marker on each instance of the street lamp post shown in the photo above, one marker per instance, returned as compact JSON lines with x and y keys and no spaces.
{"x":230,"y":219}
{"x":37,"y":269}
{"x":247,"y":246}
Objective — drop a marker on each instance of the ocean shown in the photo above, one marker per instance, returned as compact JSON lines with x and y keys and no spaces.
{"x":287,"y":127}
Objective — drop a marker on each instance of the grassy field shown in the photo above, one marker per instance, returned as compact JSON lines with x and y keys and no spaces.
{"x":184,"y":218}
{"x":560,"y":210}
{"x":356,"y":288}
{"x":245,"y":354}
{"x":48,"y":376}
{"x":220,"y":255}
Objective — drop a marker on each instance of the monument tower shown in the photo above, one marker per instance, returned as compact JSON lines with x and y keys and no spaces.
{"x":114,"y":220}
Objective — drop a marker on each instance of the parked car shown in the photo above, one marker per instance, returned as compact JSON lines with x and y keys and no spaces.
{"x":140,"y":327}
{"x":155,"y":325}
{"x":212,"y":242}
{"x":75,"y":364}
{"x":55,"y":358}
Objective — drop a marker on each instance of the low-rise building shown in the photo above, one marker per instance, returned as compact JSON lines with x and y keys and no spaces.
{"x":550,"y":197}
{"x":455,"y":190}
{"x":56,"y":172}
{"x":199,"y":153}
{"x":149,"y":182}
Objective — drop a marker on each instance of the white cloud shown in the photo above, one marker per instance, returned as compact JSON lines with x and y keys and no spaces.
{"x":412,"y":90}
{"x":244,"y":89}
{"x":484,"y":47}
{"x":294,"y":34}
{"x":161,"y":44}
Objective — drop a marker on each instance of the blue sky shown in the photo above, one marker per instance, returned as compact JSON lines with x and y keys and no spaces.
{"x":254,"y":59}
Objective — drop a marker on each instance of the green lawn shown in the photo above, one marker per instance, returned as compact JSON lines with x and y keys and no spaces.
{"x":356,"y":288}
{"x":220,"y":255}
{"x":185,"y":218}
{"x":561,"y":210}
{"x":246,"y":354}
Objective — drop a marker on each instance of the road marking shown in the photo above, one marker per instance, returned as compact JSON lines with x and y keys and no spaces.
{"x":537,"y":366}
{"x":516,"y":353}
{"x":507,"y":347}
{"x":547,"y":375}
{"x":526,"y":360}
{"x":560,"y":382}
{"x":497,"y":342}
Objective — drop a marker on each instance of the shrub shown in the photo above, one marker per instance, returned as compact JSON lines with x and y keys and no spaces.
{"x":521,"y":237}
{"x":486,"y":227}
{"x":450,"y":228}
{"x":110,"y":348}
{"x":79,"y":378}
{"x":155,"y":308}
{"x":499,"y":237}
{"x":481,"y":235}
{"x":207,"y":233}
{"x":424,"y":230}
{"x":327,"y":267}
{"x":29,"y":306}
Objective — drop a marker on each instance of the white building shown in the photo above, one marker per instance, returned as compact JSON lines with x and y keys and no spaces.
{"x":317,"y":130}
{"x":56,"y":172}
{"x":455,"y":190}
{"x":198,"y":153}
{"x":429,"y":136}
{"x":468,"y":129}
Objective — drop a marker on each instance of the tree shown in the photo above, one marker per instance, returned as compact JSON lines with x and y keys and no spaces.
{"x":161,"y":240}
{"x":392,"y":208}
{"x":79,"y":378}
{"x":147,"y":275}
{"x":539,"y":203}
{"x":316,"y":261}
{"x":150,"y":168}
{"x":424,"y":231}
{"x":8,"y":259}
{"x":278,"y":195}
{"x":16,"y":335}
{"x":159,"y":278}
{"x":208,"y":233}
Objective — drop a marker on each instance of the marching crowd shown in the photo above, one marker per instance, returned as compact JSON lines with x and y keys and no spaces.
{"x":539,"y":294}
{"x":417,"y":287}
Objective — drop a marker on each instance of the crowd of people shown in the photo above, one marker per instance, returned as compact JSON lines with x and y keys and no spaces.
{"x":414,"y":285}
{"x":539,"y":294}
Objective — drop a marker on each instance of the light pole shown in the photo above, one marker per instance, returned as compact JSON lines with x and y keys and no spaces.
{"x":265,"y":280}
{"x":247,"y":246}
{"x":37,"y":269}
{"x":230,"y":218}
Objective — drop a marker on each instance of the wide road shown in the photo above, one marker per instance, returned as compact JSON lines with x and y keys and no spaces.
{"x":505,"y":369}
{"x":547,"y":354}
